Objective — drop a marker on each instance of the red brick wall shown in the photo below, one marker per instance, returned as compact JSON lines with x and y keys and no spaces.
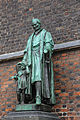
{"x":67,"y":85}
{"x":7,"y":87}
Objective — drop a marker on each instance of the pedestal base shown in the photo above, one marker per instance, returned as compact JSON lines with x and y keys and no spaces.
{"x":33,"y":107}
{"x":31,"y":115}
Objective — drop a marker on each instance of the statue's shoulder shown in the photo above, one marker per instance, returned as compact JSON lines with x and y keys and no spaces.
{"x":47,"y":34}
{"x":45,"y":31}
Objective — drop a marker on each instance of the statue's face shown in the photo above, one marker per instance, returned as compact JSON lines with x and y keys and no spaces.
{"x":36,"y":26}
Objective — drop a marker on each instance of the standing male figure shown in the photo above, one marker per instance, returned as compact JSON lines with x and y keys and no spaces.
{"x":39,"y":67}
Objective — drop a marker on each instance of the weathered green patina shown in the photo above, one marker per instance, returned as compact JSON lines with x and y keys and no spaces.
{"x":35,"y":71}
{"x":33,"y":107}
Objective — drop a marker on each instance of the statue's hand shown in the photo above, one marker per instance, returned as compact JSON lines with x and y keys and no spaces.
{"x":46,"y":57}
{"x":45,"y":50}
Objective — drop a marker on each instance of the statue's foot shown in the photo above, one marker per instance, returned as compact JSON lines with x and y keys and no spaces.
{"x":38,"y":100}
{"x":32,"y":101}
{"x":22,"y":103}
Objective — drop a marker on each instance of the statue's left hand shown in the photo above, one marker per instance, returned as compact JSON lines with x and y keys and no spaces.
{"x":45,"y":50}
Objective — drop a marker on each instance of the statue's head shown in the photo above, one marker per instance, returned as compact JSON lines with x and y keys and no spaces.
{"x":36,"y":24}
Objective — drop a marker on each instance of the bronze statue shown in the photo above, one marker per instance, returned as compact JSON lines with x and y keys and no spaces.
{"x":35,"y":83}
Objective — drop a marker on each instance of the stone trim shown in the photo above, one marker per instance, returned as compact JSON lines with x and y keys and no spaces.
{"x":11,"y":55}
{"x":67,"y":45}
{"x":57,"y":47}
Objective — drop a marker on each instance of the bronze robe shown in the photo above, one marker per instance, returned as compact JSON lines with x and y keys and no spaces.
{"x":40,"y":69}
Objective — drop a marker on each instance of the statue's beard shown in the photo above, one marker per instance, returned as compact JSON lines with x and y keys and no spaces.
{"x":36,"y":29}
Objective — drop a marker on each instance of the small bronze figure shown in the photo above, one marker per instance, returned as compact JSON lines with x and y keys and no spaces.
{"x":35,"y":71}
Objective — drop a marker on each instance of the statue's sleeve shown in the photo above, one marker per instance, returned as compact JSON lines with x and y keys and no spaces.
{"x":26,"y":49}
{"x":48,"y":43}
{"x":24,"y":60}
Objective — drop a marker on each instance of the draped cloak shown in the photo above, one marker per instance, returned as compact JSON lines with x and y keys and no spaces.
{"x":46,"y":45}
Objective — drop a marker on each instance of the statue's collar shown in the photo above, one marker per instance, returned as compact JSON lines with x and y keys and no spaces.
{"x":38,"y":31}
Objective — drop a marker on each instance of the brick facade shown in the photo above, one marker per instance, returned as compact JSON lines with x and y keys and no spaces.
{"x":60,"y":17}
{"x":67,"y":85}
{"x":7,"y":87}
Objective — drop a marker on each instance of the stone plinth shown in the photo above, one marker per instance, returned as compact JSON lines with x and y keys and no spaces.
{"x":31,"y":115}
{"x":33,"y":107}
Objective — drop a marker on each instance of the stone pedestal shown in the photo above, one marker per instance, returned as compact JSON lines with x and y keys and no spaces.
{"x":33,"y":107}
{"x":32,"y":112}
{"x":31,"y":115}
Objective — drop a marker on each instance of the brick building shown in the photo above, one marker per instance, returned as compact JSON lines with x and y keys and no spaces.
{"x":62,"y":19}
